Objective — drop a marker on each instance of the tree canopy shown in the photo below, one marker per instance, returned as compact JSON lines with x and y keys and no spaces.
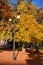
{"x":27,"y":28}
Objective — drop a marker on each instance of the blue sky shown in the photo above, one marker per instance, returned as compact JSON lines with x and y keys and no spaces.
{"x":35,"y":2}
{"x":14,"y":1}
{"x":38,"y":3}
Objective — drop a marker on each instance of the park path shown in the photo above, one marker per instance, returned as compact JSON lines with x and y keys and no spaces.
{"x":6,"y":58}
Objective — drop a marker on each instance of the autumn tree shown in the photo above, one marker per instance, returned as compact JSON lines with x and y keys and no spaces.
{"x":6,"y":13}
{"x":28,"y":29}
{"x":6,"y":10}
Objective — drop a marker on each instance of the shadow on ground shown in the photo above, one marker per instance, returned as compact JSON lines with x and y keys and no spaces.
{"x":35,"y":59}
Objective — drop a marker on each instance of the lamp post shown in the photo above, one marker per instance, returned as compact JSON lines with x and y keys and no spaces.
{"x":14,"y":55}
{"x":13,"y":34}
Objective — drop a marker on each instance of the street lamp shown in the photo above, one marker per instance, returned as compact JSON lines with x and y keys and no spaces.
{"x":10,"y":20}
{"x":14,"y":56}
{"x":13,"y":34}
{"x":18,"y":17}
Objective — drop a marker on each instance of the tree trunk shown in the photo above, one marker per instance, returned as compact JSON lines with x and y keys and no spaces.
{"x":23,"y":48}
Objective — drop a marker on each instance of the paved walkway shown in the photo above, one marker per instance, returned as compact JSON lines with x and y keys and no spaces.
{"x":6,"y":58}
